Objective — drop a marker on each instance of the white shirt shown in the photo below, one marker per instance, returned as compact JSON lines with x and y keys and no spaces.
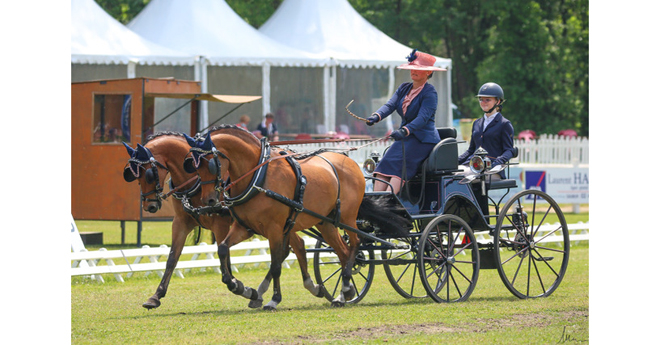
{"x":488,"y":120}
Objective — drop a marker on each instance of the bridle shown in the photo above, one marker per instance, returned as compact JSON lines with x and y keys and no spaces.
{"x":214,"y":166}
{"x":150,"y":176}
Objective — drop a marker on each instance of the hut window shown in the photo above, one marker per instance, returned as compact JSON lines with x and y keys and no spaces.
{"x":111,"y":118}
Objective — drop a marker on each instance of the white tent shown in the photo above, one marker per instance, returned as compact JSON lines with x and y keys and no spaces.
{"x":212,"y":30}
{"x":97,"y":38}
{"x":333,"y":29}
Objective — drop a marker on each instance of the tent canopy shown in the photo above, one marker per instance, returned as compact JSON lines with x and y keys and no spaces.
{"x":97,"y":38}
{"x":332,"y":28}
{"x":212,"y":29}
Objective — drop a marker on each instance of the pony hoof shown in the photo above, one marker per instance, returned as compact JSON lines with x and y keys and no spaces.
{"x":151,"y":303}
{"x":337,"y":304}
{"x":269,"y":308}
{"x":256,"y":303}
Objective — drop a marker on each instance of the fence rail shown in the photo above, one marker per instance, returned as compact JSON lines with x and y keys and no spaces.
{"x":151,"y":260}
{"x":547,"y":149}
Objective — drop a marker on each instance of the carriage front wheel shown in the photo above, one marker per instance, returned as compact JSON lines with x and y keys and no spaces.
{"x":531,"y":244}
{"x":448,"y":259}
{"x":327,"y":271}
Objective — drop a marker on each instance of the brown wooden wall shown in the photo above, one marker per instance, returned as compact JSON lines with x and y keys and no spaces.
{"x":98,"y":189}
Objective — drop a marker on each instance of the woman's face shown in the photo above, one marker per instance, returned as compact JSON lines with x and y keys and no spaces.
{"x":419,"y":76}
{"x":487,"y":103}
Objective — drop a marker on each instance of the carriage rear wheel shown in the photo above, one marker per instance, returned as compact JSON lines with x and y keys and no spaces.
{"x":531,"y":244}
{"x":448,"y":259}
{"x":402,"y":269}
{"x":327,"y":271}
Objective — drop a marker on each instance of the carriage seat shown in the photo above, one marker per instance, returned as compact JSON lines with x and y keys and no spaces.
{"x":443,"y":159}
{"x":504,"y":183}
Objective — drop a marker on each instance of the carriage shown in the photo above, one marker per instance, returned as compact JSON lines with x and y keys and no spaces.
{"x":458,"y":229}
{"x":432,"y":239}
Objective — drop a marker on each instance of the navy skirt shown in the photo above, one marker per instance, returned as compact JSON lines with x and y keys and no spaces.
{"x":392,"y":162}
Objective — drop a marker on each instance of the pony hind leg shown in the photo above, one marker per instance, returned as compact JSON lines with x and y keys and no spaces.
{"x":298,"y":246}
{"x":344,"y":253}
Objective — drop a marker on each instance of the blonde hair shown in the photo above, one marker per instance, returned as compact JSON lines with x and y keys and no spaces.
{"x":245,"y":118}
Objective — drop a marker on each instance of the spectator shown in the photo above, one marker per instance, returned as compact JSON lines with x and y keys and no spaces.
{"x":244,"y":121}
{"x":267,"y":128}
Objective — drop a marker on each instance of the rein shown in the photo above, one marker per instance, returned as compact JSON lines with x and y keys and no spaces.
{"x":176,"y":189}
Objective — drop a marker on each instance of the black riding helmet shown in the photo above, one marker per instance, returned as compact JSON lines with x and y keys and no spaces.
{"x":492,"y":90}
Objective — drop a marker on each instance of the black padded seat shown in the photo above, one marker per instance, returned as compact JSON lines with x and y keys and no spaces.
{"x":443,"y":159}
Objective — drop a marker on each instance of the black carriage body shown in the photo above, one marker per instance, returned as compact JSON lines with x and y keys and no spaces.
{"x":443,"y":196}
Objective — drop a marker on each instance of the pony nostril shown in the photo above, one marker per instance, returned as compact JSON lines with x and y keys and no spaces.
{"x":152,"y":209}
{"x":211,"y":202}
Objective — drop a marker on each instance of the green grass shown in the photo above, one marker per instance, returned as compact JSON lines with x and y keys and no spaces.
{"x":200,"y":310}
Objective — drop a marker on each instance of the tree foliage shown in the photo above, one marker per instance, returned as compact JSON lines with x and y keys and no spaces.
{"x":538,"y":51}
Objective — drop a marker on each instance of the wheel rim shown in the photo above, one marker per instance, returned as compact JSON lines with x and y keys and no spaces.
{"x":532,"y":245}
{"x":449,"y":259}
{"x":327,"y":271}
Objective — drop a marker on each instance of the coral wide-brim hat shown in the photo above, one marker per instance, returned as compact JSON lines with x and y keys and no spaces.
{"x":420,"y":61}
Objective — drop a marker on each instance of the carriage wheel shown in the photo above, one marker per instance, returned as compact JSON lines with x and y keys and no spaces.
{"x":448,"y":259}
{"x":531,"y":244}
{"x":327,"y":271}
{"x":402,"y":269}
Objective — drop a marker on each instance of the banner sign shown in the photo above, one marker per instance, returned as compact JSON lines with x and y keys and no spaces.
{"x":564,"y":185}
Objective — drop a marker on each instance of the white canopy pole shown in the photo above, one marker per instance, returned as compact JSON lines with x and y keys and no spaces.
{"x":265,"y":87}
{"x":390,"y":92}
{"x":201,"y":74}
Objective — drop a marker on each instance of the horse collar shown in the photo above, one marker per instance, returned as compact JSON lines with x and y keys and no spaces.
{"x":257,"y":182}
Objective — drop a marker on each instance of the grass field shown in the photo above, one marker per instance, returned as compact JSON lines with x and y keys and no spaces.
{"x":200,"y":310}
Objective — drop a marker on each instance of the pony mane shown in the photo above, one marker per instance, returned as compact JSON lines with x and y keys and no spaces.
{"x":235,"y":130}
{"x":160,"y":134}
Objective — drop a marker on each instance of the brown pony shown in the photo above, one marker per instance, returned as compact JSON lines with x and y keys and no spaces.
{"x":164,"y":154}
{"x":266,"y":193}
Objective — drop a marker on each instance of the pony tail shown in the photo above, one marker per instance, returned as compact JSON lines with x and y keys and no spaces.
{"x":387,"y":215}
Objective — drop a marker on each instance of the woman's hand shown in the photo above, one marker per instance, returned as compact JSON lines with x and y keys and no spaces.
{"x":399,"y":133}
{"x":373,"y":119}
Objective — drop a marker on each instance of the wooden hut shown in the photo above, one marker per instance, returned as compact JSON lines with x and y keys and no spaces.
{"x":106,"y":112}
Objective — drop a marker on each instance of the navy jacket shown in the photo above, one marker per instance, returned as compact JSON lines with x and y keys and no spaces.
{"x":420,"y":116}
{"x":497,"y":139}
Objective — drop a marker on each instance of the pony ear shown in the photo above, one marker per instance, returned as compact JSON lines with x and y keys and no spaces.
{"x":190,"y":140}
{"x":208,"y":143}
{"x":128,"y":175}
{"x":189,"y":165}
{"x":129,"y":149}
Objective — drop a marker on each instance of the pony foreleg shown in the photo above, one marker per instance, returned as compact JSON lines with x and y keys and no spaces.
{"x":234,"y":285}
{"x":172,"y":260}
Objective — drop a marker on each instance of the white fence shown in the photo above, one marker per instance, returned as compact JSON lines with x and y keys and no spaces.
{"x":547,"y":149}
{"x":152,"y":260}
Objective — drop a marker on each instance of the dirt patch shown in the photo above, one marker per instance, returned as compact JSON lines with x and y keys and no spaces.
{"x":484,"y":325}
